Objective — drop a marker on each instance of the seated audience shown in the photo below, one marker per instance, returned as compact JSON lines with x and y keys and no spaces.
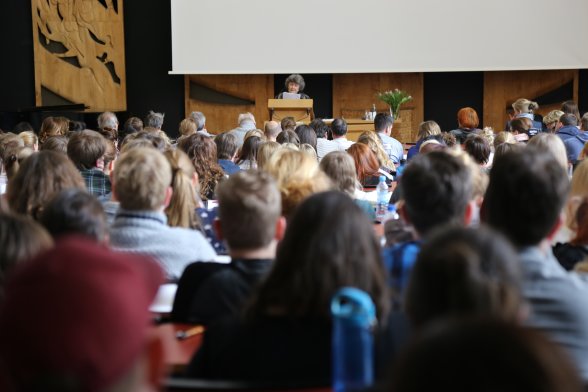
{"x":52,"y":126}
{"x":40,"y":177}
{"x":383,"y":124}
{"x":571,"y":107}
{"x":426,"y":129}
{"x":367,"y":166}
{"x":202,"y":152}
{"x":200,"y":120}
{"x":504,"y":137}
{"x":288,"y":136}
{"x":154,"y":120}
{"x":288,"y":124}
{"x":478,"y":148}
{"x":143,"y":138}
{"x":339,"y":132}
{"x":284,"y":335}
{"x":187,"y":127}
{"x":551,"y":120}
{"x":551,"y":144}
{"x":96,"y":334}
{"x":306,"y":135}
{"x":520,"y":127}
{"x":372,"y":140}
{"x":523,"y":108}
{"x":246,"y":123}
{"x":524,"y":200}
{"x":141,"y":184}
{"x":86,"y":149}
{"x":265,"y":152}
{"x":571,"y":253}
{"x":75,"y":211}
{"x":226,"y":152}
{"x":30,"y":140}
{"x":323,"y":144}
{"x":248,"y":155}
{"x":250,"y":223}
{"x":467,"y":122}
{"x":55,"y":143}
{"x":271,"y":130}
{"x":574,"y":140}
{"x":107,"y":121}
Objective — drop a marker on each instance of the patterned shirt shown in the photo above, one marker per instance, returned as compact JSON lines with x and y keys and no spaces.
{"x":97,"y":181}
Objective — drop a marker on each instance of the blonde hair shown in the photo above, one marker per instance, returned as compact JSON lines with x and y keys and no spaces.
{"x":141,"y":177}
{"x":308,"y":149}
{"x":298,"y":176}
{"x":523,"y":105}
{"x":181,"y":211}
{"x":504,"y":137}
{"x":552,"y":117}
{"x":552,"y":144}
{"x":478,"y":176}
{"x":187,"y":127}
{"x":29,"y":138}
{"x":372,"y":140}
{"x":428,"y":128}
{"x":265,"y":152}
{"x":340,"y":168}
{"x":254,"y":132}
{"x":578,"y":191}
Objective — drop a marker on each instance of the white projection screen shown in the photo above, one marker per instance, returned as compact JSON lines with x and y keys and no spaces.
{"x":345,"y":36}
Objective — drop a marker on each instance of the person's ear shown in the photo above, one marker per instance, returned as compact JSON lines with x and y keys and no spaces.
{"x":218,"y":229}
{"x":168,"y":195}
{"x":280,"y":228}
{"x":112,"y":186}
{"x":556,"y":226}
{"x":401,"y":208}
{"x":469,"y":212}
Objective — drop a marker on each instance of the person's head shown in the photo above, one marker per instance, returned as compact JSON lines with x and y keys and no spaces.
{"x":245,"y":118}
{"x":504,"y":137}
{"x":504,"y":148}
{"x":107,"y":120}
{"x":265,"y":152}
{"x":143,"y":139}
{"x":483,"y":354}
{"x":226,"y":145}
{"x":288,"y":136}
{"x":249,"y":211}
{"x":294,"y":84}
{"x":187,"y":127}
{"x":552,"y":119}
{"x":22,"y":238}
{"x":550,"y":143}
{"x":96,"y":323}
{"x":520,"y":125}
{"x":51,"y":126}
{"x":306,"y":135}
{"x":39,"y":178}
{"x":12,"y":158}
{"x":320,"y":128}
{"x":271,"y":130}
{"x":437,"y":190}
{"x":568,"y":119}
{"x":467,"y":118}
{"x":23,"y":126}
{"x":253,"y":132}
{"x":449,"y":139}
{"x":86,"y":149}
{"x":297,"y":175}
{"x":340,"y":168}
{"x":30,"y":140}
{"x":199,"y":119}
{"x":288,"y":124}
{"x":339,"y":127}
{"x":462,"y":272}
{"x":132,"y":125}
{"x":571,"y":107}
{"x":75,"y":211}
{"x":478,"y":148}
{"x":579,"y":185}
{"x":142,"y":179}
{"x":584,"y":122}
{"x":154,"y":119}
{"x":383,"y":122}
{"x":181,"y":209}
{"x":372,"y":140}
{"x":323,"y":250}
{"x":525,"y":196}
{"x":310,"y":150}
{"x":249,"y":149}
{"x":428,"y":128}
{"x":55,"y":143}
{"x":523,"y":105}
{"x":366,"y":162}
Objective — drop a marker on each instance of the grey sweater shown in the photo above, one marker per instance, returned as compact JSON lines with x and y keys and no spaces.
{"x":146,"y":232}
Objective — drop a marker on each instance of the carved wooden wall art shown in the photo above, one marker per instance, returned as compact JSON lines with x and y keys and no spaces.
{"x":79,"y":53}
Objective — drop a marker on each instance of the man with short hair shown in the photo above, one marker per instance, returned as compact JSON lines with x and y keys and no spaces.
{"x":86,"y":150}
{"x":271,"y":130}
{"x":250,"y":221}
{"x":437,"y":190}
{"x":107,"y":120}
{"x":92,"y":304}
{"x":141,"y":183}
{"x":323,"y":145}
{"x":200,"y":121}
{"x":246,"y":123}
{"x":383,"y":124}
{"x":154,"y":120}
{"x":524,"y":200}
{"x":339,"y":129}
{"x":573,"y":138}
{"x":226,"y":152}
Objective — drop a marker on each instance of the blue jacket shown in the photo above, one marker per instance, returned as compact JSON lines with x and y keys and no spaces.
{"x":574,"y":141}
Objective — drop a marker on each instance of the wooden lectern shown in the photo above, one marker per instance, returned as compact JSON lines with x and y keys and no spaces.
{"x":300,"y":109}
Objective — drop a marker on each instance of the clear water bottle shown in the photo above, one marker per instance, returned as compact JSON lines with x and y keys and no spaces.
{"x":354,"y":315}
{"x":383,"y":199}
{"x":374,"y":111}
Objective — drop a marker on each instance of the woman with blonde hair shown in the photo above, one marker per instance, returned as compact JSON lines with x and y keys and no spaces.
{"x":30,"y":140}
{"x":181,"y":210}
{"x":265,"y":152}
{"x":525,"y":109}
{"x":552,"y":119}
{"x":187,"y":127}
{"x":372,"y":140}
{"x":298,"y":176}
{"x":504,"y":137}
{"x":426,"y":130}
{"x":552,"y":144}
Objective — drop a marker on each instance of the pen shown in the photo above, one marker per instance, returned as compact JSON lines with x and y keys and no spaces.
{"x":181,"y":335}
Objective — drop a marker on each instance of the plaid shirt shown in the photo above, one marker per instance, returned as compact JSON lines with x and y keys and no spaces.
{"x":96,"y":181}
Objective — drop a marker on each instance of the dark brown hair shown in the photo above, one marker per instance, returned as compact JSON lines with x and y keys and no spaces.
{"x":85,"y":148}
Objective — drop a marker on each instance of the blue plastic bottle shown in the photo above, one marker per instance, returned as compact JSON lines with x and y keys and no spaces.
{"x":354,"y":315}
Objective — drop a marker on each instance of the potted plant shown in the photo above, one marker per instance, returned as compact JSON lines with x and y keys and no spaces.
{"x":394,"y":99}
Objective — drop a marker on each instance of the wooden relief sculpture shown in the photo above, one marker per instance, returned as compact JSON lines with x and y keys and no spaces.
{"x":79,"y":53}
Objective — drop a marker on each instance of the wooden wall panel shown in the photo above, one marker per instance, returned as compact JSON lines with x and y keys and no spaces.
{"x":501,"y":89}
{"x":256,"y":89}
{"x":353,"y":94}
{"x":79,"y":52}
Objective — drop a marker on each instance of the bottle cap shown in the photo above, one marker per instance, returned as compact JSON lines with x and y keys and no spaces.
{"x":382,"y":179}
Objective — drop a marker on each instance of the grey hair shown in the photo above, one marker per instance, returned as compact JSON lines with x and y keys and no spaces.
{"x":245,"y":117}
{"x":296,"y":78}
{"x":154,"y":119}
{"x":107,"y":120}
{"x":199,"y":119}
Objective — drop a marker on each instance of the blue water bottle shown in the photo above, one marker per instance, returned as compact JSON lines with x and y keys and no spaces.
{"x":354,"y":315}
